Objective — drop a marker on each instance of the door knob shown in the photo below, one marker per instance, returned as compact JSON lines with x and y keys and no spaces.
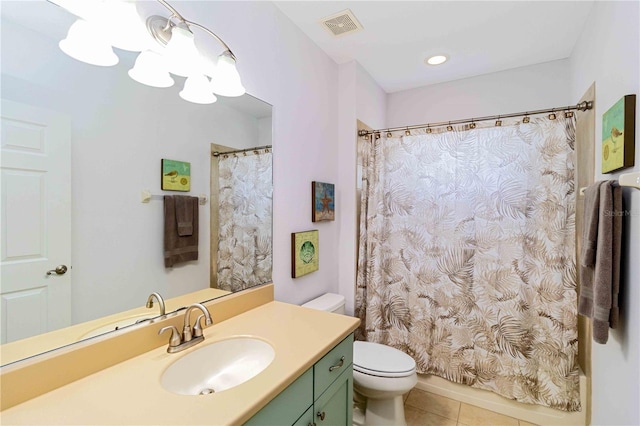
{"x":60,"y":270}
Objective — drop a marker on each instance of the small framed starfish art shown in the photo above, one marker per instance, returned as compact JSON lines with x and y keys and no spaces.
{"x":323,"y":201}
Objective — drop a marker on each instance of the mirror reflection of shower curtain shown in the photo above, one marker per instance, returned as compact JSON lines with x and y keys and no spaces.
{"x":245,"y":220}
{"x":467,"y":259}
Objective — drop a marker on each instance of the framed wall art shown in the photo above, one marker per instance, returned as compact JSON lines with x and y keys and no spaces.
{"x":618,"y":135}
{"x":176,"y":175}
{"x":323,"y":201}
{"x":304,"y":253}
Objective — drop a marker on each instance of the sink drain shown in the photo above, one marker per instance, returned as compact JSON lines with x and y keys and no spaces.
{"x":206,"y":391}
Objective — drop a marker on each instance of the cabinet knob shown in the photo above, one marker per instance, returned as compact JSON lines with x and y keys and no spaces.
{"x":321,"y":415}
{"x":338,"y":365}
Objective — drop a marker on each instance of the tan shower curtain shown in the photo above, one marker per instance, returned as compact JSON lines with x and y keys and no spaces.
{"x":244,"y":245}
{"x":466,"y":258}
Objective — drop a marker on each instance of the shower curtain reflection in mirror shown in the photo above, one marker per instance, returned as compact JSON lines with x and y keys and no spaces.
{"x":466,"y":258}
{"x":244,"y":190}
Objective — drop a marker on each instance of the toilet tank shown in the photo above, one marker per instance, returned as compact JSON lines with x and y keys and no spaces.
{"x":329,"y":302}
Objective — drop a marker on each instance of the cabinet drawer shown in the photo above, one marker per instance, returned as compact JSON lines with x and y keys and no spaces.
{"x":287,"y":407}
{"x":332,"y":365}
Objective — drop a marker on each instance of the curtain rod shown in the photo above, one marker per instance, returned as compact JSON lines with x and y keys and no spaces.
{"x":582,"y":106}
{"x":255,"y":150}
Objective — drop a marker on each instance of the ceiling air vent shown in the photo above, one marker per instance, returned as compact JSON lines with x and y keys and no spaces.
{"x":341,"y":23}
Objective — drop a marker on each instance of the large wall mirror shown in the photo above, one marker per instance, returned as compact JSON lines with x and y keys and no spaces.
{"x":88,"y":141}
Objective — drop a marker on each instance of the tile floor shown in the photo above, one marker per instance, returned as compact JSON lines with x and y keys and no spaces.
{"x":428,"y":409}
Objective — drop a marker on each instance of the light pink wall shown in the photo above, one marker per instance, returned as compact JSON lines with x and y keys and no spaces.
{"x":610,"y":56}
{"x":520,"y":89}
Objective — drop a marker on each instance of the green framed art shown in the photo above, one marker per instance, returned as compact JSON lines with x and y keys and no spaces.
{"x":176,"y":175}
{"x":618,"y":135}
{"x":304,"y":253}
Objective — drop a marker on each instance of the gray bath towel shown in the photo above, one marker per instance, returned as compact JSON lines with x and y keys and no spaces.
{"x":600,"y":257}
{"x":179,"y":248}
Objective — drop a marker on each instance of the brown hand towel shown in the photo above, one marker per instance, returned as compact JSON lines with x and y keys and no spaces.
{"x":178,"y":249}
{"x":184,"y":214}
{"x":599,"y":279}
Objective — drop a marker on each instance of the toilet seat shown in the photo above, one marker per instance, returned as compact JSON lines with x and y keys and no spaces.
{"x":379,"y":360}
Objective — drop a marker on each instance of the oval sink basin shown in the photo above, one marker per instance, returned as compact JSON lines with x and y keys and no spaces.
{"x":218,"y":366}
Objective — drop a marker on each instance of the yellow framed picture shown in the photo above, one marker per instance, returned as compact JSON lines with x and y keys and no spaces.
{"x":618,"y":135}
{"x":304,"y":253}
{"x":176,"y":175}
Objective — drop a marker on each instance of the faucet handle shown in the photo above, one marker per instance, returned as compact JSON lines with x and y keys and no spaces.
{"x":174,"y":340}
{"x":197,"y":328}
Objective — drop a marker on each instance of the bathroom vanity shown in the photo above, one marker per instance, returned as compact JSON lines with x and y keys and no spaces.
{"x":322,"y":395}
{"x":298,"y":382}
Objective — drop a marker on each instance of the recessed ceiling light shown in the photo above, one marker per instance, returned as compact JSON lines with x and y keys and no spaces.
{"x":436,"y":60}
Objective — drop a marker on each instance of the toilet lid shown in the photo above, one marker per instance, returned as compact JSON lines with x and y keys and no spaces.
{"x":381,"y":360}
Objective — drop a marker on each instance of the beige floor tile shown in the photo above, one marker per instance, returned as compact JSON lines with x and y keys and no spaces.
{"x":405,"y":396}
{"x":523,"y":423}
{"x":416,"y":417}
{"x":433,"y":403}
{"x":474,"y":416}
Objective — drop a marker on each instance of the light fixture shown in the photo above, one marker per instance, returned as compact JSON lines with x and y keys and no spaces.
{"x":498,"y":122}
{"x":472,"y":125}
{"x":428,"y":129}
{"x":526,"y":119}
{"x":407,"y":132}
{"x":150,"y":69}
{"x":552,"y":116}
{"x":568,"y":114}
{"x":196,"y":90}
{"x":436,"y":60}
{"x":389,"y":134}
{"x":167,"y":45}
{"x":449,"y":127}
{"x":86,"y":44}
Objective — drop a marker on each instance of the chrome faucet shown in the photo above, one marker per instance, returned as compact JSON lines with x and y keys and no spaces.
{"x":179,"y":343}
{"x":160,"y":302}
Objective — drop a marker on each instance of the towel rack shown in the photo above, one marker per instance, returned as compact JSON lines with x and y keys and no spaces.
{"x":627,"y":179}
{"x":146,"y":196}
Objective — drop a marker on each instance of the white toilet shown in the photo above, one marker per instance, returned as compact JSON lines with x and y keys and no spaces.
{"x":381,"y":374}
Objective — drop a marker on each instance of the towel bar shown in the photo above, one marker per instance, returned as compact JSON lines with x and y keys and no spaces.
{"x":146,"y":196}
{"x":628,"y":179}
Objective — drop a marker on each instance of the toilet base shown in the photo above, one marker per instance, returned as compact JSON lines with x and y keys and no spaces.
{"x":379,"y":412}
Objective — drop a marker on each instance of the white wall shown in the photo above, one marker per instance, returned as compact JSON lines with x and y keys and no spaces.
{"x":610,"y":56}
{"x":520,"y":89}
{"x":360,"y":99}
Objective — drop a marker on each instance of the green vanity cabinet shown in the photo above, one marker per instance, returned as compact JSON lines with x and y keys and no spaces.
{"x":322,"y":396}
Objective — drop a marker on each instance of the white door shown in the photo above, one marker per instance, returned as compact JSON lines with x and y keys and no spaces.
{"x":35,"y":177}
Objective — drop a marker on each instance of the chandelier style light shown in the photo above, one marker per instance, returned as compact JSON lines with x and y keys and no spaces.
{"x":166,"y":46}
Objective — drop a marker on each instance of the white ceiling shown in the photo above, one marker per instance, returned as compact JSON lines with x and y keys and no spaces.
{"x":479,"y":37}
